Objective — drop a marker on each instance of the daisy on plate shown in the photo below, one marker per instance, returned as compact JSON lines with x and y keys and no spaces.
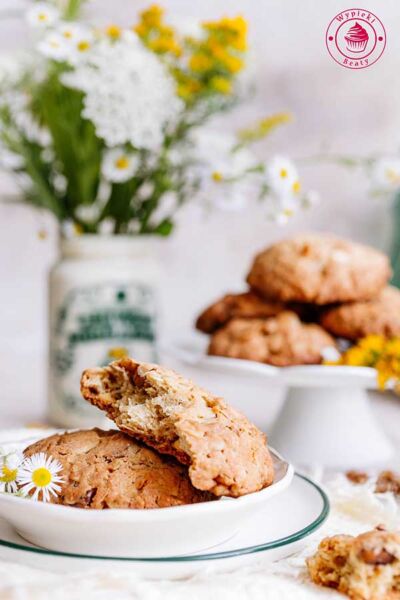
{"x":42,"y":14}
{"x":9,"y":469}
{"x":119,"y":165}
{"x":39,"y":474}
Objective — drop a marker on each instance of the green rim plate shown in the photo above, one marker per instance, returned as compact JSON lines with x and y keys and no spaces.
{"x":290,"y":539}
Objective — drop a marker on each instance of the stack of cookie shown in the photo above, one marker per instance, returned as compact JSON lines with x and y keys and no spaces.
{"x":176,"y":444}
{"x":304,"y":292}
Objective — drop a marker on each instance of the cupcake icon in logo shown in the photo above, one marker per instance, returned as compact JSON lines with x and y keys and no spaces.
{"x":356,"y":38}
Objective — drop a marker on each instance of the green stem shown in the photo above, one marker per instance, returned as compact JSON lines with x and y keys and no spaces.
{"x":73,"y":9}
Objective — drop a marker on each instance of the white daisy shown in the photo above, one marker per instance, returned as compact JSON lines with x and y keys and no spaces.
{"x":119,"y":166}
{"x":81,"y":43}
{"x":40,"y":473}
{"x":9,"y":464}
{"x":386,"y":174}
{"x":55,"y":46}
{"x":282,"y":176}
{"x":72,"y":31}
{"x":42,"y":14}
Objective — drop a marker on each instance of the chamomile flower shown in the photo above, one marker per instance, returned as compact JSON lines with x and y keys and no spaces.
{"x":282,"y":176}
{"x":119,"y":166}
{"x":82,"y":44}
{"x":42,"y":14}
{"x":55,"y":46}
{"x":9,"y":464}
{"x":71,"y":31}
{"x":386,"y":174}
{"x":40,"y":473}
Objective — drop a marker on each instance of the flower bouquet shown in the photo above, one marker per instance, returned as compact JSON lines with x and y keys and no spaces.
{"x":105,"y":128}
{"x":108,"y":130}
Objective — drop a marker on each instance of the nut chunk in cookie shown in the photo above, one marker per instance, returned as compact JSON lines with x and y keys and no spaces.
{"x":366,"y":567}
{"x":247,"y":306}
{"x":319,"y":268}
{"x":227,"y":455}
{"x":108,"y":469}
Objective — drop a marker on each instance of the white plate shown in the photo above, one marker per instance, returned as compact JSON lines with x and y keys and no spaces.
{"x":278,"y":530}
{"x":192,"y":351}
{"x":140,"y":532}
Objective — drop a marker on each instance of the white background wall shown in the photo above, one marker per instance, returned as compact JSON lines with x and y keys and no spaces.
{"x":343,"y":110}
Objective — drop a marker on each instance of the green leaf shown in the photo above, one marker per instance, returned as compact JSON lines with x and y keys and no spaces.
{"x":164,"y":228}
{"x":78,"y":150}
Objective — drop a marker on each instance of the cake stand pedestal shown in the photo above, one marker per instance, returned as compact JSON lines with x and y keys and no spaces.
{"x":330,"y":426}
{"x":326,"y":418}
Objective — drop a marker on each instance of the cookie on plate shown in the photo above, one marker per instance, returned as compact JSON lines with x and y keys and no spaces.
{"x":247,"y":305}
{"x":227,"y":455}
{"x":108,"y":469}
{"x":380,"y":316}
{"x":319,"y":268}
{"x":281,"y":341}
{"x":366,"y":567}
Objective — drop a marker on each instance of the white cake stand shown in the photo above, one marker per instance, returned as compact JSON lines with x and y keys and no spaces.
{"x":326,"y":417}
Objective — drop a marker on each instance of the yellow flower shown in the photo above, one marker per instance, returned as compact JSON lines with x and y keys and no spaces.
{"x":221,"y":84}
{"x":117,"y":353}
{"x":140,"y":29}
{"x":228,"y":61}
{"x":383,"y":378}
{"x":163,"y":45}
{"x":152,"y":16}
{"x":373,"y":343}
{"x":378,"y":352}
{"x":231,"y":31}
{"x":356,"y":357}
{"x":113,"y":32}
{"x":200,"y":62}
{"x":188,"y":88}
{"x":393,"y":346}
{"x":264,"y":127}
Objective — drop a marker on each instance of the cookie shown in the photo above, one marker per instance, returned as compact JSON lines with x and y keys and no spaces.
{"x":281,"y":341}
{"x":226,"y":454}
{"x":379,"y":316}
{"x":320,"y":269}
{"x":388,"y":481}
{"x":247,"y":305}
{"x":108,"y":469}
{"x":366,"y":567}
